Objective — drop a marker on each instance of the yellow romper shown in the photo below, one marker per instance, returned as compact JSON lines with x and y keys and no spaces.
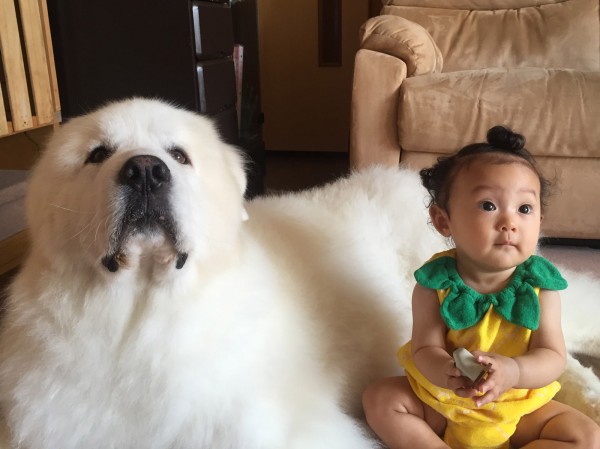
{"x":499,"y":322}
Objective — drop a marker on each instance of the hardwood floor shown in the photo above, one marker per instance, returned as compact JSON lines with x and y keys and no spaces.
{"x":292,"y":171}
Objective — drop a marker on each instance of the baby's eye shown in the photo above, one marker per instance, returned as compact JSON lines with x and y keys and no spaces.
{"x":526,"y":209}
{"x":488,"y":206}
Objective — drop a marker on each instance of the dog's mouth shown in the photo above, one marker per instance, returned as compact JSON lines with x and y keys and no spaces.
{"x":145,"y":183}
{"x":142,"y":219}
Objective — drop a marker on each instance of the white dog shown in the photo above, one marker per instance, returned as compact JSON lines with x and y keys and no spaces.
{"x":151,"y":314}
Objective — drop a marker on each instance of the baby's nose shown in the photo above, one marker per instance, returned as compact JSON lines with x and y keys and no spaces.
{"x":507,"y":223}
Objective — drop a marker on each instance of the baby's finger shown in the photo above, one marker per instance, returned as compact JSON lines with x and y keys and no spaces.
{"x":460,"y":382}
{"x":465,"y":392}
{"x":487,"y":397}
{"x":453,"y":371}
{"x":483,"y":358}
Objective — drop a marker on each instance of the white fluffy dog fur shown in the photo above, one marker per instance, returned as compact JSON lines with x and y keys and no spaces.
{"x":263,"y":338}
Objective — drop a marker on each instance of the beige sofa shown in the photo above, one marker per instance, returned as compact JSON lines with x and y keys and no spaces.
{"x":433,"y":75}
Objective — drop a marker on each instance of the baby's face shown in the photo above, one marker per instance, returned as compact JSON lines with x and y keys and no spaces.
{"x":494,"y":214}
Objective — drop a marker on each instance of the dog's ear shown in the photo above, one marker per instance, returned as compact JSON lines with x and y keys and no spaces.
{"x":237,"y":165}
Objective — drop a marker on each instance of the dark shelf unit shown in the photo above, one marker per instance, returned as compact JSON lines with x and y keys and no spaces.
{"x":177,"y":50}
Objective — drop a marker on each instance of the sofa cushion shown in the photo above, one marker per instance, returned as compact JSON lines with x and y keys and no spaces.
{"x":555,"y":109}
{"x":480,"y":34}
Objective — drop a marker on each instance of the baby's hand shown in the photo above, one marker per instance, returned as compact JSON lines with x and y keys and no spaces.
{"x":461,"y":385}
{"x":503,"y":375}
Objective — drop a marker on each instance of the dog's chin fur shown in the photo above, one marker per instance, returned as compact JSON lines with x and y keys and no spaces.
{"x":263,"y":338}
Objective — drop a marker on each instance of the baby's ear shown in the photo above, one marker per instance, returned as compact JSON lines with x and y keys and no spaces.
{"x":440,"y":220}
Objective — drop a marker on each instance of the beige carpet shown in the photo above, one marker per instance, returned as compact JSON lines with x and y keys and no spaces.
{"x":581,"y":259}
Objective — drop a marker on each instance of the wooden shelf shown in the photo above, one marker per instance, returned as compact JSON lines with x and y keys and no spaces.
{"x":29,"y":89}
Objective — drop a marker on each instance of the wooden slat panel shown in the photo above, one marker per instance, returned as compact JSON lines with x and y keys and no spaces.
{"x":12,"y":59}
{"x":50,"y":57}
{"x":3,"y":124}
{"x":36,"y":58}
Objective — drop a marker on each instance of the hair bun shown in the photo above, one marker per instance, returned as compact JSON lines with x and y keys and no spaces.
{"x":503,"y":138}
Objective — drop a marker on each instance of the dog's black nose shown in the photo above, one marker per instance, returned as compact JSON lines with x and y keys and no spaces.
{"x":145,"y":173}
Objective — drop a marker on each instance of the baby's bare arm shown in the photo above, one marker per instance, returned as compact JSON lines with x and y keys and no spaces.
{"x":546,"y":359}
{"x":429,"y":341}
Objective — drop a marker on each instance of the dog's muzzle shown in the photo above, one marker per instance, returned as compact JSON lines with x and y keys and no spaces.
{"x":145,"y":183}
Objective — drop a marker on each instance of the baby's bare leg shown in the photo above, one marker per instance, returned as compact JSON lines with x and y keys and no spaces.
{"x":399,"y":417}
{"x":556,"y":426}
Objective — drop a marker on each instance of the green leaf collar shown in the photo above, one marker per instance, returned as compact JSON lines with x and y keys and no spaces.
{"x":518,"y":303}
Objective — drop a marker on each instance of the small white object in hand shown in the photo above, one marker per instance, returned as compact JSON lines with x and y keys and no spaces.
{"x":467,"y":364}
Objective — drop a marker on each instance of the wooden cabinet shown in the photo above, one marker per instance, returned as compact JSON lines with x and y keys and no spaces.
{"x":27,"y":79}
{"x":176,"y":50}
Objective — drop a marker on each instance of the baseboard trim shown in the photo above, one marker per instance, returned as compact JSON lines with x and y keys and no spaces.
{"x":590,"y":243}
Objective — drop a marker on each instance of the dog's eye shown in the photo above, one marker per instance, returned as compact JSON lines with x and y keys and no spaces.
{"x":179,"y":155}
{"x":98,"y":155}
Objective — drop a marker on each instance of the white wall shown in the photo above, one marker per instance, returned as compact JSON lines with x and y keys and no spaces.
{"x":307,"y":107}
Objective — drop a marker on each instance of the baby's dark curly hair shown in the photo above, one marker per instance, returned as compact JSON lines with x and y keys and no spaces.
{"x":502,"y":146}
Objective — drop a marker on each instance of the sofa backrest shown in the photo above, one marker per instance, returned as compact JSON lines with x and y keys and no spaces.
{"x":476,"y":34}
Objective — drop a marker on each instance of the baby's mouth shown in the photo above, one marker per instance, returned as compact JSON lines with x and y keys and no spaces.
{"x":506,"y":243}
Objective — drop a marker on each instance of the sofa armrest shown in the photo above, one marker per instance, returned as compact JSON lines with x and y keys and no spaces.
{"x":374,"y":123}
{"x":406,"y":40}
